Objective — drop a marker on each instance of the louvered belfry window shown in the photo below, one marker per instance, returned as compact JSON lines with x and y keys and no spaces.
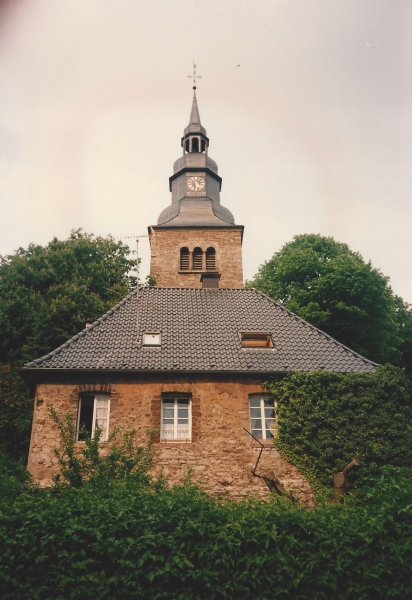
{"x":184,"y":259}
{"x":197,"y":259}
{"x":210,"y":259}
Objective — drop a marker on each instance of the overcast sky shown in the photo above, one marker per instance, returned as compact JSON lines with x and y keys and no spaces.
{"x":312,"y":133}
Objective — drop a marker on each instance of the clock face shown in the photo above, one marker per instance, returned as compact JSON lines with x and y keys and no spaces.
{"x":195,"y":184}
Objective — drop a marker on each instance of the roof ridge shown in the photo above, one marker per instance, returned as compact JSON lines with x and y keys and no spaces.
{"x":84,"y":331}
{"x":313,"y":327}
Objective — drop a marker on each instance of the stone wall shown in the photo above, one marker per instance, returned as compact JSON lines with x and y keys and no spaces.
{"x":220,"y":453}
{"x":165,"y":255}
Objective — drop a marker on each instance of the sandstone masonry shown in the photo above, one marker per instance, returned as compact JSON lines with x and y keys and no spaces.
{"x":220,"y":454}
{"x":165,"y":255}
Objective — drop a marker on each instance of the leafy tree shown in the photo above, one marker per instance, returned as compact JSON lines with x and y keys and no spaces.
{"x":333,"y":288}
{"x":404,"y":321}
{"x":15,"y":411}
{"x":49,"y":293}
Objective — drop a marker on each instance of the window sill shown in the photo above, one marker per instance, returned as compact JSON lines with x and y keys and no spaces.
{"x":267,"y":443}
{"x":173,"y":442}
{"x":198,"y":272}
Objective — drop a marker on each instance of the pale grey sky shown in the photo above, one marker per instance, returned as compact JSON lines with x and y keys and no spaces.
{"x":312,"y":133}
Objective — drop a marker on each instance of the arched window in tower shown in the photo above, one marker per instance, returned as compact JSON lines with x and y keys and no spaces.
{"x":184,"y":259}
{"x":187,"y":145}
{"x":195,"y":145}
{"x":203,"y":145}
{"x":210,"y":259}
{"x":197,"y":259}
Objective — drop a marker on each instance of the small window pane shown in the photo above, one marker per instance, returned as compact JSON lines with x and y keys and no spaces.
{"x":168,"y":413}
{"x":254,"y":402}
{"x":255,"y":413}
{"x":256,"y":423}
{"x":269,"y":401}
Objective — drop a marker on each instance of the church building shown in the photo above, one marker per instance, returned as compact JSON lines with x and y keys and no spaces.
{"x":187,"y":357}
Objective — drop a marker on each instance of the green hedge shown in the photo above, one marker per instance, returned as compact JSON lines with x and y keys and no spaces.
{"x":325,"y":419}
{"x":131,"y":542}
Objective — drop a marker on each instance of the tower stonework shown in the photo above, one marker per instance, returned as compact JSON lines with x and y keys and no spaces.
{"x":196,"y":242}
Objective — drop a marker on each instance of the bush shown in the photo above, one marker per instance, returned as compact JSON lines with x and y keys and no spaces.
{"x":83,"y":543}
{"x":325,"y":419}
{"x":96,"y":464}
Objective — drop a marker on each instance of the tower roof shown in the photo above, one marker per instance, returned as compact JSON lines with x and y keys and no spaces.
{"x":194,"y":122}
{"x":194,"y":115}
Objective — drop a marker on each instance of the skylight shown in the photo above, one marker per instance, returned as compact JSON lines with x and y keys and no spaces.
{"x":151,"y":338}
{"x":256,"y":339}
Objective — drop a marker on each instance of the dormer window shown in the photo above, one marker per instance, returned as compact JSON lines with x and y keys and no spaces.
{"x":256,"y":339}
{"x":151,"y":338}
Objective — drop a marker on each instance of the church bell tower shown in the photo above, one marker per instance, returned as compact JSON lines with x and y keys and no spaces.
{"x":196,"y":242}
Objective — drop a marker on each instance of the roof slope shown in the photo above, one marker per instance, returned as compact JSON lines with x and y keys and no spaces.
{"x":200,"y":332}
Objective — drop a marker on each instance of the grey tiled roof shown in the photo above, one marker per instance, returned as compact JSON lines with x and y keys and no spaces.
{"x":196,"y":212}
{"x":200,"y":332}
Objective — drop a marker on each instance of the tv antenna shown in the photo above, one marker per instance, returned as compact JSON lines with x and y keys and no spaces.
{"x":137,"y":238}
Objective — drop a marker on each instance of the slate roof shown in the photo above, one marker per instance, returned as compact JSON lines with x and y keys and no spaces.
{"x":200,"y":332}
{"x":195,"y":212}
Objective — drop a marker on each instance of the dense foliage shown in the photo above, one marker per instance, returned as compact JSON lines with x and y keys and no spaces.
{"x":135,"y":541}
{"x":47,"y":295}
{"x":333,"y":288}
{"x":325,"y":419}
{"x":16,"y":406}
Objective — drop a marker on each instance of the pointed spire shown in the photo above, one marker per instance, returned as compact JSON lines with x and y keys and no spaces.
{"x":194,"y":123}
{"x":194,"y":115}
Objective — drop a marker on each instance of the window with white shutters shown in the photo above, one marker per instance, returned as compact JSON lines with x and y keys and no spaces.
{"x":93,"y":413}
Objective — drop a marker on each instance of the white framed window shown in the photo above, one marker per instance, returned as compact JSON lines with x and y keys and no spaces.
{"x":94,"y":410}
{"x":262,"y":416}
{"x":176,"y":418}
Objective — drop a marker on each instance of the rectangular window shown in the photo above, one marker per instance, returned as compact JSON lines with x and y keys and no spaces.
{"x":176,"y":418}
{"x":262,"y":417}
{"x":93,"y":412}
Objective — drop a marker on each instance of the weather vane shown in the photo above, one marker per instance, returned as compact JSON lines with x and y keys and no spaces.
{"x":195,"y":76}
